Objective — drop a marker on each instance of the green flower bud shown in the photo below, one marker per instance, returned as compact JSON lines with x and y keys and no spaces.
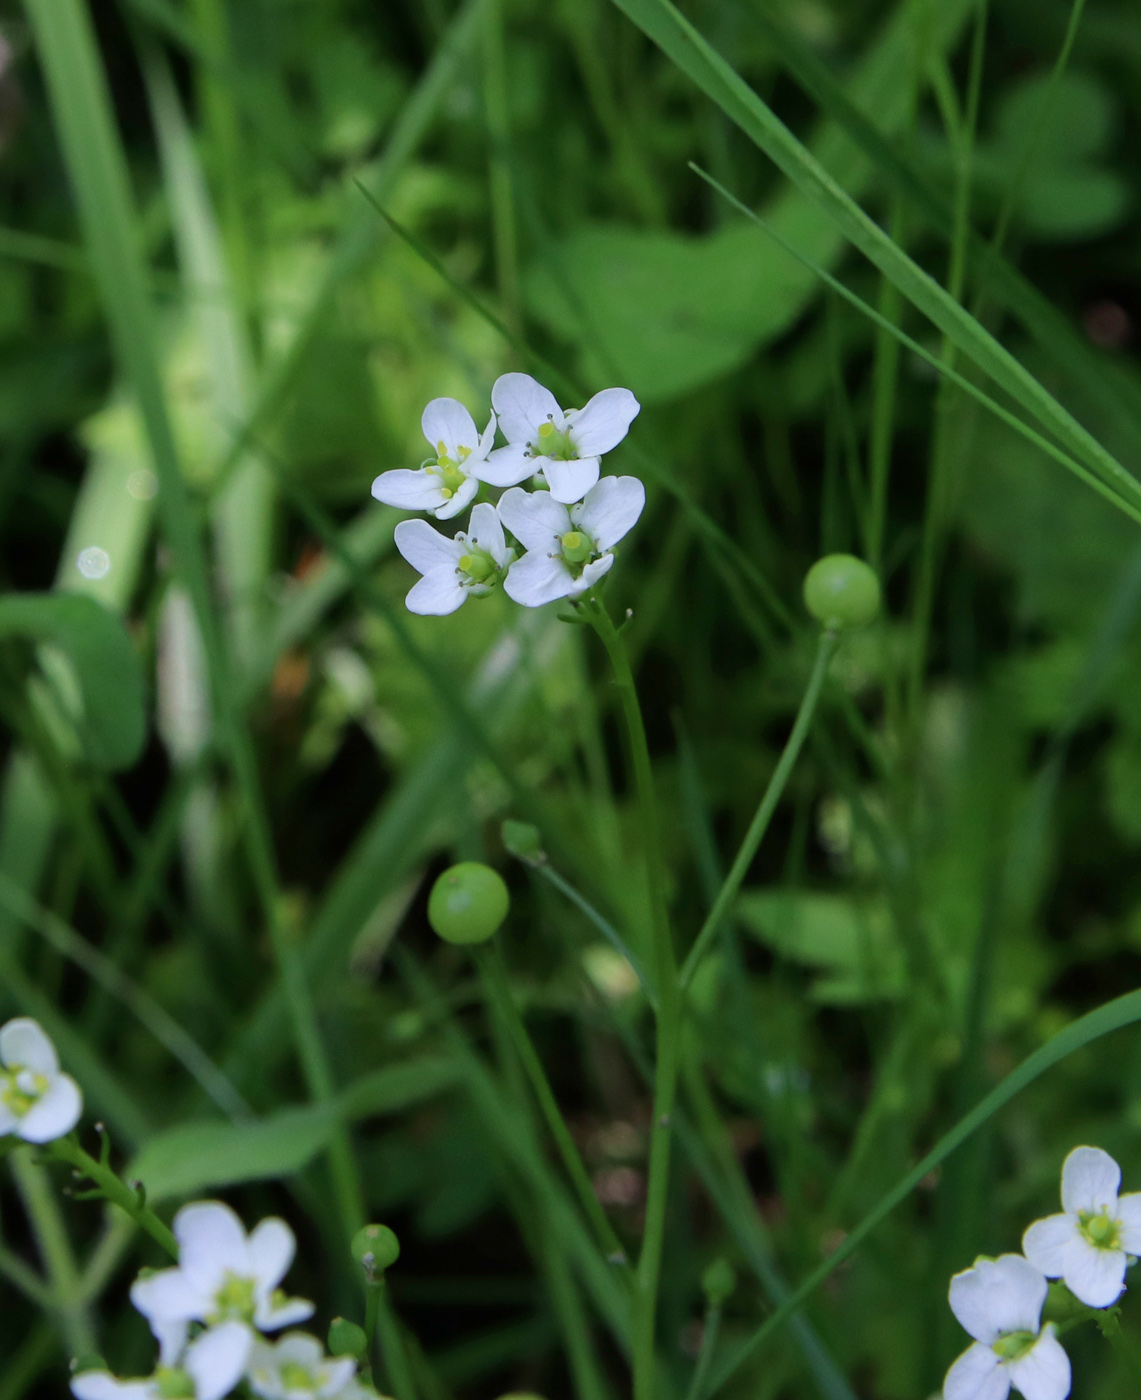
{"x":841,"y":591}
{"x":346,"y":1338}
{"x":468,"y":903}
{"x":718,"y":1282}
{"x":523,"y":841}
{"x":375,"y":1248}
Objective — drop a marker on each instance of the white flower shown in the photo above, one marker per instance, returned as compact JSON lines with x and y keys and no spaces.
{"x":446,"y":484}
{"x":296,"y":1368}
{"x":37,"y":1102}
{"x":1087,"y":1245}
{"x":564,"y":447}
{"x":999,"y":1302}
{"x":472,"y":562}
{"x":210,"y":1368}
{"x":568,"y":551}
{"x":222,"y":1275}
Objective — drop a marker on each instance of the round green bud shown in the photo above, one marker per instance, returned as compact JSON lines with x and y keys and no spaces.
{"x":346,"y":1338}
{"x":375,"y":1248}
{"x":718,"y":1281}
{"x":523,"y":841}
{"x":468,"y":903}
{"x":841,"y":591}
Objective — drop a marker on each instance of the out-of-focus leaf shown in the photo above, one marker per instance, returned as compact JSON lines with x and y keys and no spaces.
{"x":111,"y":718}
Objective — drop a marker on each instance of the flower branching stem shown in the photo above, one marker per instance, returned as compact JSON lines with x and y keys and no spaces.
{"x":130,"y":1201}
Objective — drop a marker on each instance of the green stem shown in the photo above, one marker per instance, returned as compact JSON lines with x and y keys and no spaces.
{"x":497,"y":987}
{"x":116,"y":1190}
{"x":55,"y":1250}
{"x":705,"y":1356}
{"x":668,"y":1012}
{"x":381,"y":1324}
{"x":603,"y":925}
{"x":764,"y":813}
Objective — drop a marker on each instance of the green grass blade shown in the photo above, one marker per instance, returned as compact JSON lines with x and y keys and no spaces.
{"x":689,"y":50}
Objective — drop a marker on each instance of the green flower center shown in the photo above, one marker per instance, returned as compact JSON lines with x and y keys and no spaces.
{"x":1099,"y":1229}
{"x":1013,"y":1345}
{"x":449,"y":469}
{"x":174,"y":1383}
{"x":577,"y":547}
{"x":234,"y":1301}
{"x":553,"y":443}
{"x":21,"y":1089}
{"x":478,"y":564}
{"x":294,"y":1376}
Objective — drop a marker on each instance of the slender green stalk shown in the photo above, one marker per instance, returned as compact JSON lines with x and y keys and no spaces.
{"x":498,"y":989}
{"x":129,"y":1200}
{"x":55,"y":1249}
{"x":381,"y":1324}
{"x":497,"y":107}
{"x":764,"y":813}
{"x":668,"y":1016}
{"x":709,"y":1334}
{"x":602,"y":924}
{"x":21,"y":1276}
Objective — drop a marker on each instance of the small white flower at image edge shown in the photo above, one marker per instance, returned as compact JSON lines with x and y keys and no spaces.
{"x":999,"y":1303}
{"x":565,"y":447}
{"x":37,"y":1101}
{"x":472,"y":562}
{"x":568,"y":549}
{"x":208,"y":1369}
{"x":223,"y":1274}
{"x":297,"y":1364}
{"x":447,"y":483}
{"x":1088,"y":1245}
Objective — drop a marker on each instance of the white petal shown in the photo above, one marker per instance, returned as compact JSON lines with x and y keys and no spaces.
{"x":410,"y":490}
{"x":611,"y":509}
{"x":437,"y":594}
{"x":522,"y":405}
{"x":1129,"y":1216}
{"x":537,"y":579}
{"x":486,"y":441}
{"x":56,"y":1113}
{"x":570,"y":481}
{"x":507,"y":466}
{"x":535,"y":519}
{"x":1094,"y":1276}
{"x":449,"y":422}
{"x":301,"y":1348}
{"x":591,"y":574}
{"x":102,"y":1385}
{"x":24,"y":1042}
{"x":270,"y":1316}
{"x":425,"y":548}
{"x":217,"y":1359}
{"x":168,"y":1296}
{"x":998,"y":1295}
{"x":170,"y":1333}
{"x":604,"y":421}
{"x":1044,"y":1372}
{"x":1090,"y":1178}
{"x":449,"y":508}
{"x":977,"y":1375}
{"x":271,"y":1249}
{"x":1046,"y":1241}
{"x":486,"y":531}
{"x":211,"y":1242}
{"x":336,"y":1376}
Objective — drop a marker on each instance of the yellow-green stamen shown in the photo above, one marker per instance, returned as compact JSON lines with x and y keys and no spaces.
{"x":1013,"y":1345}
{"x":577,"y":547}
{"x":1099,"y":1229}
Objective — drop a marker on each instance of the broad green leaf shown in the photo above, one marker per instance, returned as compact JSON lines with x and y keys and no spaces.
{"x":1062,"y":119}
{"x":100,"y":659}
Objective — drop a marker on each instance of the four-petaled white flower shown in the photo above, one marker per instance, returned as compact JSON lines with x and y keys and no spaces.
{"x":296,"y":1368}
{"x":472,"y":562}
{"x":999,"y":1302}
{"x":1088,"y":1243}
{"x":446,"y":484}
{"x":568,"y":551}
{"x":209,"y":1368}
{"x":37,"y":1102}
{"x":223,"y":1274}
{"x":541,"y":438}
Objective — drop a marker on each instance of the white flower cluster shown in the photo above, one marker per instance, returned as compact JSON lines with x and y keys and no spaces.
{"x":208,"y":1315}
{"x":37,"y":1102}
{"x":567,"y":526}
{"x":999,"y":1301}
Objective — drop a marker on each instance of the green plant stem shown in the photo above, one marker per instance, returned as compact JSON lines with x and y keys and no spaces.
{"x":55,"y":1250}
{"x":381,"y":1324}
{"x":498,"y":990}
{"x":764,"y":813}
{"x":116,"y":1191}
{"x":668,"y":1040}
{"x":602,"y":924}
{"x":705,"y":1355}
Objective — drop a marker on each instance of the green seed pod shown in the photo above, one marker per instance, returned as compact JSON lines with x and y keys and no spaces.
{"x":346,"y":1338}
{"x":841,"y":591}
{"x":523,"y":841}
{"x":468,"y":903}
{"x":718,"y":1282}
{"x":375,"y":1248}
